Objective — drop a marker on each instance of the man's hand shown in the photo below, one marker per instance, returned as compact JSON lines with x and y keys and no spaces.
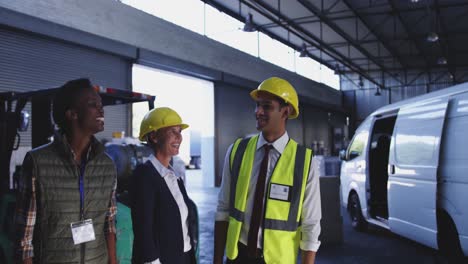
{"x":221,"y":228}
{"x":111,"y":248}
{"x":308,"y":257}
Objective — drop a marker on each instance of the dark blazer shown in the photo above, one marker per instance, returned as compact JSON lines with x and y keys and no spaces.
{"x":156,"y":218}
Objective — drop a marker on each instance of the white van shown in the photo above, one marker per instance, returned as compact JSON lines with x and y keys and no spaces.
{"x":406,"y":169}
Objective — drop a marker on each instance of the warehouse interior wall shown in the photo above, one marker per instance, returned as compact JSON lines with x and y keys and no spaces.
{"x":234,"y":118}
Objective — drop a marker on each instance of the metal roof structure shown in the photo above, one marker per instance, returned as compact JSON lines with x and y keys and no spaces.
{"x":371,"y":38}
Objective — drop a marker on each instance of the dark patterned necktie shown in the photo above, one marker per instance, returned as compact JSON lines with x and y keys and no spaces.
{"x":257,"y":209}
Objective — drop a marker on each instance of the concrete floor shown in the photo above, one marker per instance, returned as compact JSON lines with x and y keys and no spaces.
{"x":373,"y":246}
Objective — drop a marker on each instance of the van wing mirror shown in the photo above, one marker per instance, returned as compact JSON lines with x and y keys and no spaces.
{"x":353,"y":154}
{"x":343,"y":154}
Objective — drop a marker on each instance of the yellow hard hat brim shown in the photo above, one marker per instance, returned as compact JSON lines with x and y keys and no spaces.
{"x":143,"y":137}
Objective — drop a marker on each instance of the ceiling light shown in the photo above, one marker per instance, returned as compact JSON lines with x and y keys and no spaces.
{"x":377,"y":93}
{"x":414,"y":1}
{"x":442,"y":61}
{"x":337,"y":69}
{"x":432,"y":37}
{"x":303,"y":51}
{"x":249,"y":25}
{"x":361,"y":82}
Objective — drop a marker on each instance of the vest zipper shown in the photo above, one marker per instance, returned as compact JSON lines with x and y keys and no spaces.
{"x":82,"y":246}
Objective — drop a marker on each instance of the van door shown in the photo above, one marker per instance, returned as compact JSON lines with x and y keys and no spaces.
{"x":353,"y":169}
{"x":413,"y":166}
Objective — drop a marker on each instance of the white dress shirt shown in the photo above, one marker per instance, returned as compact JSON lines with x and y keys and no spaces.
{"x":311,"y":208}
{"x":171,"y":179}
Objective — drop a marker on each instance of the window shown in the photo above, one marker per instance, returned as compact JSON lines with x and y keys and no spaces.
{"x":206,"y":20}
{"x":228,"y":30}
{"x":414,"y":144}
{"x":418,"y":131}
{"x":357,"y":146}
{"x":276,"y":52}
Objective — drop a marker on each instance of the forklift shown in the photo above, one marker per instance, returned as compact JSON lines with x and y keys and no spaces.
{"x":13,"y":119}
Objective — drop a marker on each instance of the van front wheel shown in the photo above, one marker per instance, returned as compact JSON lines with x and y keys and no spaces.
{"x":355,"y":213}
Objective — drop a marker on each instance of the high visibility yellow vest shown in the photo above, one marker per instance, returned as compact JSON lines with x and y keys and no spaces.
{"x":281,"y":219}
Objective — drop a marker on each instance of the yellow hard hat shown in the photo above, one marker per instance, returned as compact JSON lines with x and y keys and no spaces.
{"x":159,"y":118}
{"x":282,"y":89}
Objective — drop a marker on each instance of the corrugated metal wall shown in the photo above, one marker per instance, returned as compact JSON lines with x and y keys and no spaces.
{"x":31,"y":62}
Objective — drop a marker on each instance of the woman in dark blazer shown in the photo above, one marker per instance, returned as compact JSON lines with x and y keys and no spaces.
{"x":164,"y":218}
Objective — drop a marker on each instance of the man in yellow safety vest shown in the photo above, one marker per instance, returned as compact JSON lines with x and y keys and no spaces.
{"x":269,"y":202}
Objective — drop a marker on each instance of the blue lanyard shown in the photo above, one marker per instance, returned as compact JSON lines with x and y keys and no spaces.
{"x":81,"y":185}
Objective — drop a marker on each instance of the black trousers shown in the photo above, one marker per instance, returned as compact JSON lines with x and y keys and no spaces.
{"x":243,"y":257}
{"x":189,"y":257}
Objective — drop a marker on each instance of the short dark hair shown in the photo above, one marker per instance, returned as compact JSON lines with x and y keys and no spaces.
{"x":159,"y":135}
{"x":67,"y":98}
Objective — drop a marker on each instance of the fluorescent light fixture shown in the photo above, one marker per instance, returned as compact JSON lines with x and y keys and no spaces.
{"x":361,"y":82}
{"x":432,"y":37}
{"x":303,"y":51}
{"x":337,"y":69}
{"x":442,"y":61}
{"x":249,"y":25}
{"x":377,"y":93}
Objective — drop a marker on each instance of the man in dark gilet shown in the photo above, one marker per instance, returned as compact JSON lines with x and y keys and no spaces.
{"x":66,"y":194}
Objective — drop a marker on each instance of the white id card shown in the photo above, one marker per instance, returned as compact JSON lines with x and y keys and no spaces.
{"x":82,"y":231}
{"x":279,"y":192}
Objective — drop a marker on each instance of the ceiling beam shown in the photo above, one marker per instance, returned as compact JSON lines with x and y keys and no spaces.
{"x":239,"y":17}
{"x":344,"y":35}
{"x":409,"y":32}
{"x":261,"y":7}
{"x":379,"y":38}
{"x":368,"y":11}
{"x":444,"y":42}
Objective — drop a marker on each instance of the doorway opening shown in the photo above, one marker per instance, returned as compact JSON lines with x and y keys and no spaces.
{"x":378,"y":167}
{"x":193,"y":99}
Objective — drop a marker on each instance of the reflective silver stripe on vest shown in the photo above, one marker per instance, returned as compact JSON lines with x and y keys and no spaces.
{"x":235,"y":168}
{"x":236,"y":214}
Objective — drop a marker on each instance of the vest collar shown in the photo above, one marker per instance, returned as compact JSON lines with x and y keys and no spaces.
{"x":279,"y":144}
{"x":61,"y":141}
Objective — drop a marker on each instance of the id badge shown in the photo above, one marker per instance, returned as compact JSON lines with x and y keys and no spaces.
{"x":82,"y":231}
{"x":279,"y":192}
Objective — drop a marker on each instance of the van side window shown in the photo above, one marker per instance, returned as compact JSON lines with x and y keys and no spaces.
{"x":356,"y":147}
{"x":418,"y":131}
{"x":416,"y":144}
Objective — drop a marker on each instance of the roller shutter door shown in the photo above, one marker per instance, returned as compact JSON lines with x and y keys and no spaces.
{"x":30,"y":62}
